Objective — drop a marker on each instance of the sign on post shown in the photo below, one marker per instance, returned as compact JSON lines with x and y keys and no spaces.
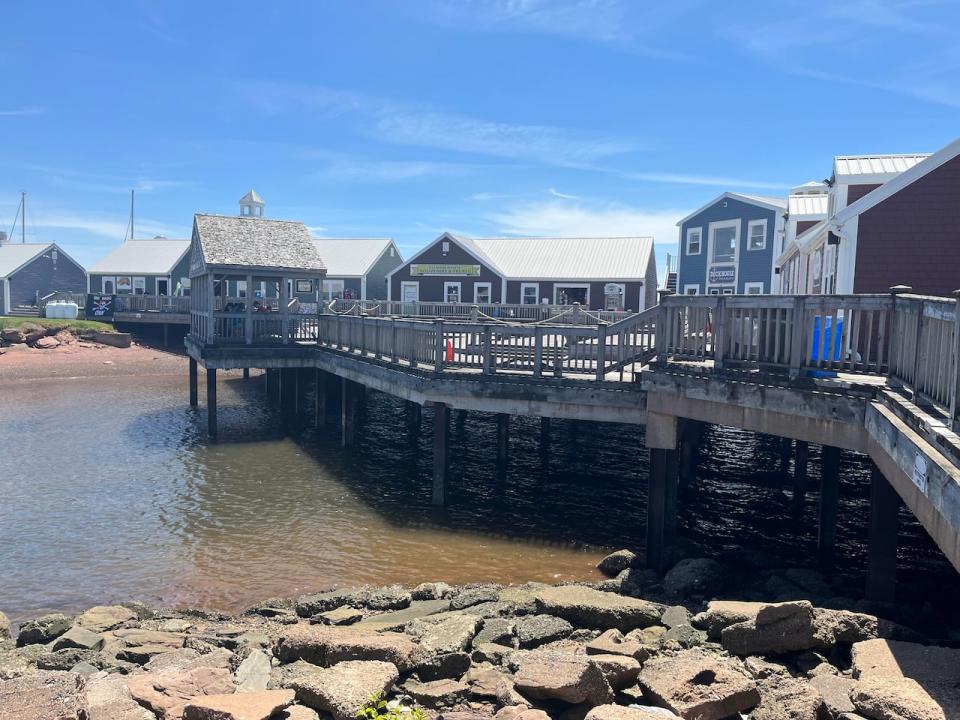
{"x":100,"y":307}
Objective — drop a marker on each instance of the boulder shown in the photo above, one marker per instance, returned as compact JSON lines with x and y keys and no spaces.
{"x":835,"y":691}
{"x":43,"y":696}
{"x":788,"y":699}
{"x":620,"y":671}
{"x":167,"y":693}
{"x":19,"y":661}
{"x":637,"y":582}
{"x":253,"y":674}
{"x":12,"y":335}
{"x":535,"y":630}
{"x":897,"y":698}
{"x":448,"y":634}
{"x":843,"y":626}
{"x":444,"y":666}
{"x":935,"y":670}
{"x":778,"y":628}
{"x":483,"y":682}
{"x":675,"y":615}
{"x":310,"y":605}
{"x":491,"y":653}
{"x":78,"y":637}
{"x":586,"y":607}
{"x":343,"y":689}
{"x":328,"y":646}
{"x":721,"y":614}
{"x":344,"y":615}
{"x":43,"y":629}
{"x":572,"y":679}
{"x":393,"y":597}
{"x":619,"y":712}
{"x":140,"y":646}
{"x":520,"y":712}
{"x":694,"y":577}
{"x":249,"y":706}
{"x":298,"y":712}
{"x":4,"y":626}
{"x":46,"y":343}
{"x":612,"y":642}
{"x":695,"y":684}
{"x":474,"y":596}
{"x":684,"y":636}
{"x":109,"y":699}
{"x":105,"y":617}
{"x":66,"y":659}
{"x":431,"y":591}
{"x":184,"y":659}
{"x":113,"y":339}
{"x":616,"y":562}
{"x":437,"y":693}
{"x":497,"y":630}
{"x":399,"y":619}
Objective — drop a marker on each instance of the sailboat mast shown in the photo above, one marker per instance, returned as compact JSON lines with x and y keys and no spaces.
{"x":131,"y":214}
{"x":23,"y":217}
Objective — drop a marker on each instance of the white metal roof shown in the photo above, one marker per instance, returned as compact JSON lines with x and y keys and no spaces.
{"x":252,"y":196}
{"x":544,"y":258}
{"x":146,"y":257}
{"x":351,"y":257}
{"x":13,"y":256}
{"x":873,"y":168}
{"x":811,"y":207}
{"x":917,"y":171}
{"x":766,"y":201}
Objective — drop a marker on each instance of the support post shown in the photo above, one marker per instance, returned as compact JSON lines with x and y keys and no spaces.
{"x":246,"y":373}
{"x":193,"y":382}
{"x":347,"y":416}
{"x":801,"y":462}
{"x":503,"y":436}
{"x":544,"y":434}
{"x":661,"y":506}
{"x":320,"y":399}
{"x":786,"y":450}
{"x":829,"y":499}
{"x":441,"y":433}
{"x":882,"y":548}
{"x":248,"y":308}
{"x":166,"y":335}
{"x":212,"y":403}
{"x":414,"y":415}
{"x":284,"y":311}
{"x":689,"y":439}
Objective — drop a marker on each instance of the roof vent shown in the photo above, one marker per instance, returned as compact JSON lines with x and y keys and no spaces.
{"x":251,"y":205}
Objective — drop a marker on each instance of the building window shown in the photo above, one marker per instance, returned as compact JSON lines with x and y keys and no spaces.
{"x":723,"y":241}
{"x":451,"y":292}
{"x":332,"y":290}
{"x":691,"y":289}
{"x":694,"y":236}
{"x":753,"y":288}
{"x":529,"y":293}
{"x":445,"y":247}
{"x":757,"y":235}
{"x":124,"y":285}
{"x":109,"y":286}
{"x":482,"y":293}
{"x":241,"y":288}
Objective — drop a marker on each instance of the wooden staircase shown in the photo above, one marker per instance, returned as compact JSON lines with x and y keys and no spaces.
{"x":25,"y":311}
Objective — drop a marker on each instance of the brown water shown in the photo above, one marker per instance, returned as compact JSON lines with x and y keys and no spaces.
{"x":109,"y":491}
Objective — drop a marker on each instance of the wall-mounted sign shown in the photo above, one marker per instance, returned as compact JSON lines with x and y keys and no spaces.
{"x":722,"y":275}
{"x":124,"y":284}
{"x":920,"y":473}
{"x":420,"y":270}
{"x":100,"y":307}
{"x":304,"y":286}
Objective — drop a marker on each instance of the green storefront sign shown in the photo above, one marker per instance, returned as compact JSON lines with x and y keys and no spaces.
{"x":444,"y":269}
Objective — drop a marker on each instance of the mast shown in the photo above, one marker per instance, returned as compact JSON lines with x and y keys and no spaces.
{"x":131,"y":214}
{"x":23,"y":217}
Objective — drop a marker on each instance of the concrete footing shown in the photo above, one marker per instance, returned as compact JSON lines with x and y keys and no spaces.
{"x":882,"y":547}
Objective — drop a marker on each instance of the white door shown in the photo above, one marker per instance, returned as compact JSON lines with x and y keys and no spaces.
{"x":410,"y":292}
{"x":109,"y":286}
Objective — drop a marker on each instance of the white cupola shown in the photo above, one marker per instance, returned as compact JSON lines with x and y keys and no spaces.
{"x":251,"y":205}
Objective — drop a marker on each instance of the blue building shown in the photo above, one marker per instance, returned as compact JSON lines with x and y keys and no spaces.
{"x":728,"y":246}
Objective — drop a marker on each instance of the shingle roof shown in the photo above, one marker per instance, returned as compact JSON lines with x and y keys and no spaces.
{"x":231,"y":241}
{"x":14,"y":255}
{"x":147,"y":257}
{"x":595,"y":258}
{"x":877,"y":168}
{"x":346,"y":257}
{"x":807,"y":205}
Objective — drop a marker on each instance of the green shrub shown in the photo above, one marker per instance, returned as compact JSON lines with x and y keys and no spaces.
{"x":377,"y":708}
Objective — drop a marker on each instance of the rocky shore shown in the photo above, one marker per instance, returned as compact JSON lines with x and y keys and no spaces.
{"x":524,"y":652}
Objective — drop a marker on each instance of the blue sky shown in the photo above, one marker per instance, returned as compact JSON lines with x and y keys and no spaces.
{"x":487,"y":117}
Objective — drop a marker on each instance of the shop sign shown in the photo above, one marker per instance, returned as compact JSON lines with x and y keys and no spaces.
{"x":100,"y":307}
{"x":722,"y":275}
{"x":422,"y":269}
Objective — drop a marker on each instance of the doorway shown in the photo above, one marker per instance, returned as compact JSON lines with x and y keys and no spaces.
{"x":163,"y":286}
{"x":571,"y":293}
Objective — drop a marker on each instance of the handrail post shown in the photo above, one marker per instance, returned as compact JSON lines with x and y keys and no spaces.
{"x":917,"y":353}
{"x":660,"y":334}
{"x":394,"y":355}
{"x":601,"y":350}
{"x":474,"y":313}
{"x":488,"y":368}
{"x":797,"y":336}
{"x":719,"y":333}
{"x":284,"y":311}
{"x":440,"y":347}
{"x":538,"y":351}
{"x":955,"y":395}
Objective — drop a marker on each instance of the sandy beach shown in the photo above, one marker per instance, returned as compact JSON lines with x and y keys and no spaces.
{"x":82,"y":359}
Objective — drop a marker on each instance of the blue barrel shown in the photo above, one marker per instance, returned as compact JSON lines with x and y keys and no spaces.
{"x":817,"y":348}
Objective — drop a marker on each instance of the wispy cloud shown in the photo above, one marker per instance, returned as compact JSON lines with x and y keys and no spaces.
{"x":487,"y":196}
{"x":705,"y":180}
{"x":564,"y":196}
{"x":24,"y":110}
{"x":103,"y":225}
{"x":93,"y":182}
{"x":385,"y":171}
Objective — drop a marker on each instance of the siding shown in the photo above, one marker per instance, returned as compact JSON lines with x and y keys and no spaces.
{"x":913,"y":237}
{"x":752,"y":265}
{"x":804,"y":225}
{"x":855,"y":192}
{"x":431,"y":288}
{"x":631,"y":290}
{"x":43,"y":276}
{"x":377,"y":274}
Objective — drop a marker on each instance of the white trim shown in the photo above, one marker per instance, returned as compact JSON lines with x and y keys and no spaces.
{"x":524,"y":285}
{"x":363,"y":287}
{"x":718,"y":225}
{"x":686,"y":247}
{"x":736,"y":196}
{"x":488,"y":286}
{"x":103,"y":284}
{"x":691,"y":286}
{"x":447,"y":236}
{"x":750,"y":225}
{"x":748,"y":286}
{"x":156,"y":284}
{"x":6,"y":295}
{"x":578,"y":286}
{"x":453,"y":283}
{"x":847,"y":261}
{"x":406,"y":283}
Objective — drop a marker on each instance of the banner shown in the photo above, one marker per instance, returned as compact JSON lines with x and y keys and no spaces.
{"x":100,"y":307}
{"x":444,"y":269}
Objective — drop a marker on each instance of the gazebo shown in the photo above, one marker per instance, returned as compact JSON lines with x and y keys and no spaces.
{"x":262,"y":261}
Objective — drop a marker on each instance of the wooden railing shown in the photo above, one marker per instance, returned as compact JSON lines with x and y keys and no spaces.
{"x":171,"y":304}
{"x":568,"y":314}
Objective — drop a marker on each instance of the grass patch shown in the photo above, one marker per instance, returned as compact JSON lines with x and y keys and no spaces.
{"x":72,"y":325}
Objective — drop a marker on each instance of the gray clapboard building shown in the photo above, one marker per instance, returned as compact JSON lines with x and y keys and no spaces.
{"x":143,"y":267}
{"x":29,"y":271}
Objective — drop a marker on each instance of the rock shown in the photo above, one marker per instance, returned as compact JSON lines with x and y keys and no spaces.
{"x":449,"y":634}
{"x":586,"y":607}
{"x":85,"y":669}
{"x":684,"y":636}
{"x":810,"y":581}
{"x":491,"y":653}
{"x":835,"y":691}
{"x":298,"y":712}
{"x":759,"y":669}
{"x":721,"y":614}
{"x":694,"y":577}
{"x":4,"y":626}
{"x":619,"y":712}
{"x":572,"y":679}
{"x":20,"y":661}
{"x":105,"y":617}
{"x":637,"y":582}
{"x":12,"y":335}
{"x":444,"y":666}
{"x":249,"y":706}
{"x":777,"y":628}
{"x":167,"y":693}
{"x":43,"y":696}
{"x":675,"y":615}
{"x":616,"y":562}
{"x":935,"y":669}
{"x":497,"y":630}
{"x":43,"y":629}
{"x":694,"y":684}
{"x":113,"y":339}
{"x":651,"y":638}
{"x":399,"y":619}
{"x":78,"y":637}
{"x":520,"y":712}
{"x":896,"y":698}
{"x":393,"y":597}
{"x":474,"y":596}
{"x":437,"y":693}
{"x":46,"y":343}
{"x":310,"y":605}
{"x":788,"y":699}
{"x":343,"y":689}
{"x":463,"y":715}
{"x":612,"y":642}
{"x":535,"y":630}
{"x":109,"y":699}
{"x":253,"y":674}
{"x":620,"y":671}
{"x":843,"y":626}
{"x":431,"y":591}
{"x":328,"y":646}
{"x":343,"y":615}
{"x":175,"y":626}
{"x":184,"y":659}
{"x":507,"y":694}
{"x":483,"y":682}
{"x":65,"y":659}
{"x":142,"y":645}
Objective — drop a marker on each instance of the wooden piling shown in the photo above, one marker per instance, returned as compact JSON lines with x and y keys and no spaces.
{"x":441,"y":437}
{"x":829,"y":499}
{"x":503,"y":436}
{"x":193,"y":383}
{"x":661,"y":506}
{"x":882,"y":547}
{"x":212,"y":403}
{"x":800,"y":464}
